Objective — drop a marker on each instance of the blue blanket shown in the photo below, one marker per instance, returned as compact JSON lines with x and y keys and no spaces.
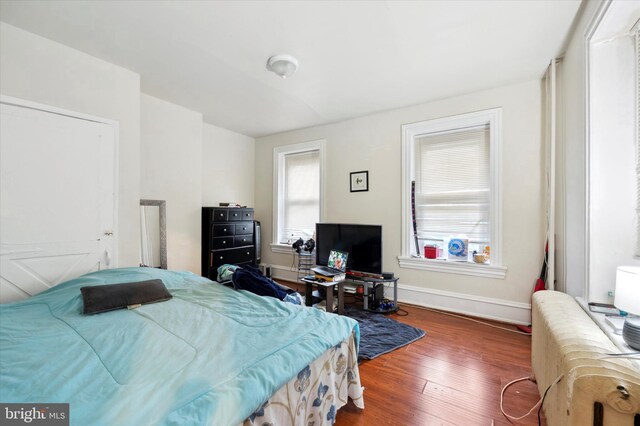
{"x":210,"y":355}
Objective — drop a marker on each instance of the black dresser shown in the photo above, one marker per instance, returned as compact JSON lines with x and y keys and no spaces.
{"x":228,"y":236}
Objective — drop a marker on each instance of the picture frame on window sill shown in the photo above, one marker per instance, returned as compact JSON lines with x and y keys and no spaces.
{"x":359,"y":181}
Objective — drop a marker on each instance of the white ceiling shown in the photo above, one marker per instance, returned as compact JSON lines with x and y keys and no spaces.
{"x":356,"y":58}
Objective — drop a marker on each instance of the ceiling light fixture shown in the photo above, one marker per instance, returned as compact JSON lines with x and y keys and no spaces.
{"x":283,"y":65}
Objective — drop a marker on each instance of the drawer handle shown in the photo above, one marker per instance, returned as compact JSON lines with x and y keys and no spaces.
{"x":248,"y":253}
{"x":244,"y":229}
{"x":244,"y":240}
{"x":221,"y":257}
{"x":224,"y":230}
{"x":248,"y":215}
{"x":221,"y":214}
{"x":224,"y":242}
{"x":235,"y":214}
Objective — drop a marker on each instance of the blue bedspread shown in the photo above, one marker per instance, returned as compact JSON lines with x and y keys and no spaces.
{"x":210,"y":355}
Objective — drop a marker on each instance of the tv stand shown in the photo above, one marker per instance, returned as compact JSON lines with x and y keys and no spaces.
{"x":371,"y":284}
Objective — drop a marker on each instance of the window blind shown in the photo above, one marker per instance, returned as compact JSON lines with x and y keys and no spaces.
{"x":453,"y":184}
{"x":301,"y":195}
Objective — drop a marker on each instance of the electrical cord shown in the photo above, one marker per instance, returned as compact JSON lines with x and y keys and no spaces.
{"x":538,"y":404}
{"x":544,"y":396}
{"x":473,"y":320}
{"x":508,"y":416}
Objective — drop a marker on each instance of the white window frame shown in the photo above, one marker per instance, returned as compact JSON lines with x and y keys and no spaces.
{"x":279,"y":153}
{"x":410,"y":132}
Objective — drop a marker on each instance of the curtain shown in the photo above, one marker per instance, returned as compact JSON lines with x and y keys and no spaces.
{"x":301,"y":195}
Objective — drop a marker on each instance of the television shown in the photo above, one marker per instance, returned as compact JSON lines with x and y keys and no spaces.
{"x":362,"y":242}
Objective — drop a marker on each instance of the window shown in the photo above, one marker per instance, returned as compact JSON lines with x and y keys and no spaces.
{"x":297,"y":191}
{"x":455,"y":164}
{"x":452,"y":185}
{"x":611,"y":173}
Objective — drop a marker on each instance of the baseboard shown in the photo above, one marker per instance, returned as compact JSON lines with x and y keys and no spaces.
{"x":284,"y":272}
{"x":477,"y":306}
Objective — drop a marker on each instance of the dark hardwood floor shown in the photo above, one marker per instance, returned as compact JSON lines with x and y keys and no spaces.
{"x":452,"y":376}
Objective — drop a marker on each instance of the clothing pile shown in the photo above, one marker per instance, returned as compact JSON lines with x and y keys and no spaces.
{"x":251,"y":279}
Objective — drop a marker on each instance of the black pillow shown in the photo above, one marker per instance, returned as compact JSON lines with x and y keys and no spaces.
{"x":103,"y":298}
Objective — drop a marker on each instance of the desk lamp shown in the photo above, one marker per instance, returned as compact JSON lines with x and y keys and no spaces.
{"x":627,"y":299}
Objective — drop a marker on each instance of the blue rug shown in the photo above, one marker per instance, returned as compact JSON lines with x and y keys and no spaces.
{"x":380,"y":334}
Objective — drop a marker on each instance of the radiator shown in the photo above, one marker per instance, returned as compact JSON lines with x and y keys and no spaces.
{"x":594,"y":390}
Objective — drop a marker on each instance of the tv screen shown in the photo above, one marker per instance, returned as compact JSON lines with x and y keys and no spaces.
{"x":362,"y":242}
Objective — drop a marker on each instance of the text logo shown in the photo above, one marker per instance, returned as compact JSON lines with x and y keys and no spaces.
{"x":34,"y":414}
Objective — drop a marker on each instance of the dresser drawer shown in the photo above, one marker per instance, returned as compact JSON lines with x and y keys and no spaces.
{"x":233,"y":256}
{"x":247,"y":214}
{"x":242,"y":240}
{"x":235,"y":214}
{"x":243,"y":228}
{"x":221,"y":243}
{"x":224,"y":230}
{"x":220,"y":215}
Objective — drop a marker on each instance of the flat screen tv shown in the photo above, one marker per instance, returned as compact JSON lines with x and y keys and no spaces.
{"x":362,"y":242}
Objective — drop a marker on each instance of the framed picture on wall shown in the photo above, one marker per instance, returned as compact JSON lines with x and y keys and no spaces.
{"x":359,"y":181}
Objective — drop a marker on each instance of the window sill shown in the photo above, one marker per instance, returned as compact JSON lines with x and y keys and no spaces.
{"x":281,"y":248}
{"x":460,"y":268}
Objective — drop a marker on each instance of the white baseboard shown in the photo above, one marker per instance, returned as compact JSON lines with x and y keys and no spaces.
{"x":284,"y":272}
{"x":477,"y":306}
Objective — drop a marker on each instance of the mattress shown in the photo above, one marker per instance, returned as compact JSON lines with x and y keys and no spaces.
{"x":210,"y":355}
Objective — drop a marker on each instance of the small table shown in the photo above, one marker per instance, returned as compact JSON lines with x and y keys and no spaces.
{"x":329,"y":285}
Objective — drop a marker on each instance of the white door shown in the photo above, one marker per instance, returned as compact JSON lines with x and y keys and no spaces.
{"x":57,"y":200}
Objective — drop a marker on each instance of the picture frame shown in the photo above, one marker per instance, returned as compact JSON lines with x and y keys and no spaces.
{"x":359,"y":181}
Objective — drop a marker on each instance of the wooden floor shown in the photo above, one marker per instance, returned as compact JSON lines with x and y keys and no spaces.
{"x":452,"y":376}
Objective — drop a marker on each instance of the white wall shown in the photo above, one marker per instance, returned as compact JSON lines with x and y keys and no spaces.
{"x":171,"y":170}
{"x":228,"y":172}
{"x":373,"y":143}
{"x":40,"y":70}
{"x":162,"y":151}
{"x":190,"y":164}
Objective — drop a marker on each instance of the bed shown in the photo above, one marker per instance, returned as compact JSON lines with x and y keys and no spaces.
{"x":210,"y":355}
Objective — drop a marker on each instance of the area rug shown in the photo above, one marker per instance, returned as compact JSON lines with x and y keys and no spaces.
{"x":380,"y":334}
